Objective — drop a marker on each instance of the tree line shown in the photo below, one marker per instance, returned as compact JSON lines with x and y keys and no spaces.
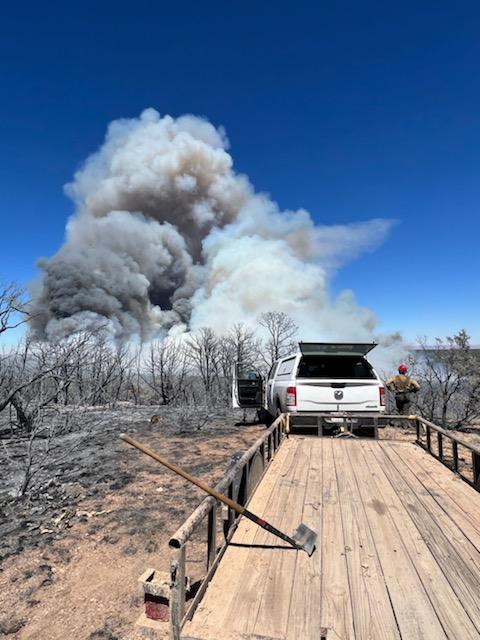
{"x":449,"y":375}
{"x":46,"y":387}
{"x":89,"y":369}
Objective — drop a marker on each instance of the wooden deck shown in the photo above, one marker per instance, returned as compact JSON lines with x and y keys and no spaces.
{"x":398,"y":552}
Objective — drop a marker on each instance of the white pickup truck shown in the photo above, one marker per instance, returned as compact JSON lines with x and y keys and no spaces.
{"x":332,"y":378}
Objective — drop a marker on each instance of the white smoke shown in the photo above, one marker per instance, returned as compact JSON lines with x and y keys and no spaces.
{"x":166,"y":236}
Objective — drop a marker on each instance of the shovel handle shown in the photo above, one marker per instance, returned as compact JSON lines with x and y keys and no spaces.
{"x":173,"y":467}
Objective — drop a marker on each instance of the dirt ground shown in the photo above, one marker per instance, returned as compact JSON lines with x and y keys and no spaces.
{"x":72,"y":554}
{"x":73,"y":549}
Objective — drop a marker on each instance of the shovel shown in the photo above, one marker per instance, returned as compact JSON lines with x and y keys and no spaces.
{"x":303,"y":538}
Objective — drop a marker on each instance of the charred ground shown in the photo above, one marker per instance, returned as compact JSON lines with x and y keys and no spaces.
{"x":94,"y":521}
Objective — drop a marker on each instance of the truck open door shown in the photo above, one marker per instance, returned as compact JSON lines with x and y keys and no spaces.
{"x":247,"y":387}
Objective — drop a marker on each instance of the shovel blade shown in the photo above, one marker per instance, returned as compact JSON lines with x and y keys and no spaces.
{"x":305,"y":538}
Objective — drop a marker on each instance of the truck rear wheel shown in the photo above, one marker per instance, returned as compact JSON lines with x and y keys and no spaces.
{"x":278,"y":411}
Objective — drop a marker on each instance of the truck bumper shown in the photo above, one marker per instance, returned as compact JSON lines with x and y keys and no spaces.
{"x":364,"y":423}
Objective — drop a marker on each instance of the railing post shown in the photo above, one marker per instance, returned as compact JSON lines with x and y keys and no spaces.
{"x":287,"y":426}
{"x":429,"y":438}
{"x":212,"y":536}
{"x":244,"y":482}
{"x":476,"y":469}
{"x":231,"y":512}
{"x":418,"y":430}
{"x":440,"y":445}
{"x":177,"y":591}
{"x":455,"y":455}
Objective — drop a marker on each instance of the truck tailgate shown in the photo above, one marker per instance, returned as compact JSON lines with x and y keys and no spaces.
{"x":342,"y":395}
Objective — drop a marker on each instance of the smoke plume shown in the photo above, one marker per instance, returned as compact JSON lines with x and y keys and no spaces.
{"x":166,"y":237}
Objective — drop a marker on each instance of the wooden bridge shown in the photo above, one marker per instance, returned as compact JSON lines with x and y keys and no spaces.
{"x":398,"y":550}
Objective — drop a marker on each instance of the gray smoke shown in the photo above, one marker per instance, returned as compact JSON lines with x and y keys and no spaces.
{"x":166,"y":236}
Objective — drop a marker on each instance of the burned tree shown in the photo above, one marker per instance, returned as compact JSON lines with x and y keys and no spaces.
{"x":203,"y":356}
{"x":38,"y":374}
{"x":165,"y":370}
{"x":281,"y":333}
{"x":449,"y":376}
{"x":13,"y":307}
{"x":244,"y":344}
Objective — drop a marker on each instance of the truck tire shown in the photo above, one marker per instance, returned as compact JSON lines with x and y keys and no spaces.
{"x":265,"y":417}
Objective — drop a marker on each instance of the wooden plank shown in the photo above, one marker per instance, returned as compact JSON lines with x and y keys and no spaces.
{"x":242,"y":612}
{"x":336,"y":607}
{"x":210,"y":633}
{"x":263,"y":499}
{"x":222,"y":591}
{"x":373,"y":616}
{"x":305,"y":605}
{"x":449,"y":609}
{"x":454,"y":483}
{"x":456,"y":534}
{"x":459,"y":510}
{"x":413,"y":610}
{"x":441,"y":481}
{"x":436,"y":529}
{"x":273,"y":600}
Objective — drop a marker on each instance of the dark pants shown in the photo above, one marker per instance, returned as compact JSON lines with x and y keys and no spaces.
{"x":402,"y":400}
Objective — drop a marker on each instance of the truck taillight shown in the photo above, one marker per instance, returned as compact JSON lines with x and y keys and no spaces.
{"x":291,"y":399}
{"x":382,"y":396}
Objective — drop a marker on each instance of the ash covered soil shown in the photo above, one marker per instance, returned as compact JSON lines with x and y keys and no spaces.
{"x":73,"y":548}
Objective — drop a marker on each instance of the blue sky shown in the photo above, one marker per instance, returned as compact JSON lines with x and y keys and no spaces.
{"x":351,"y":110}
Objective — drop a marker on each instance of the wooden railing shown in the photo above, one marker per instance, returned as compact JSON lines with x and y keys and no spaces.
{"x":238,"y":484}
{"x":433,"y":439}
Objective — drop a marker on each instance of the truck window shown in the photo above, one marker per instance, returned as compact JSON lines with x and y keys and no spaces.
{"x":345,"y":367}
{"x":244,"y":372}
{"x":286,"y":367}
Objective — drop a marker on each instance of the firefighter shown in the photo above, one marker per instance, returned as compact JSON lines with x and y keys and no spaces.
{"x":403,"y":386}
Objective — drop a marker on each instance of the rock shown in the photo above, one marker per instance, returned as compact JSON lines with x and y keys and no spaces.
{"x":129,"y":551}
{"x":151,"y":547}
{"x":9,"y":627}
{"x":73,"y":490}
{"x":110,"y":539}
{"x":103,"y":634}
